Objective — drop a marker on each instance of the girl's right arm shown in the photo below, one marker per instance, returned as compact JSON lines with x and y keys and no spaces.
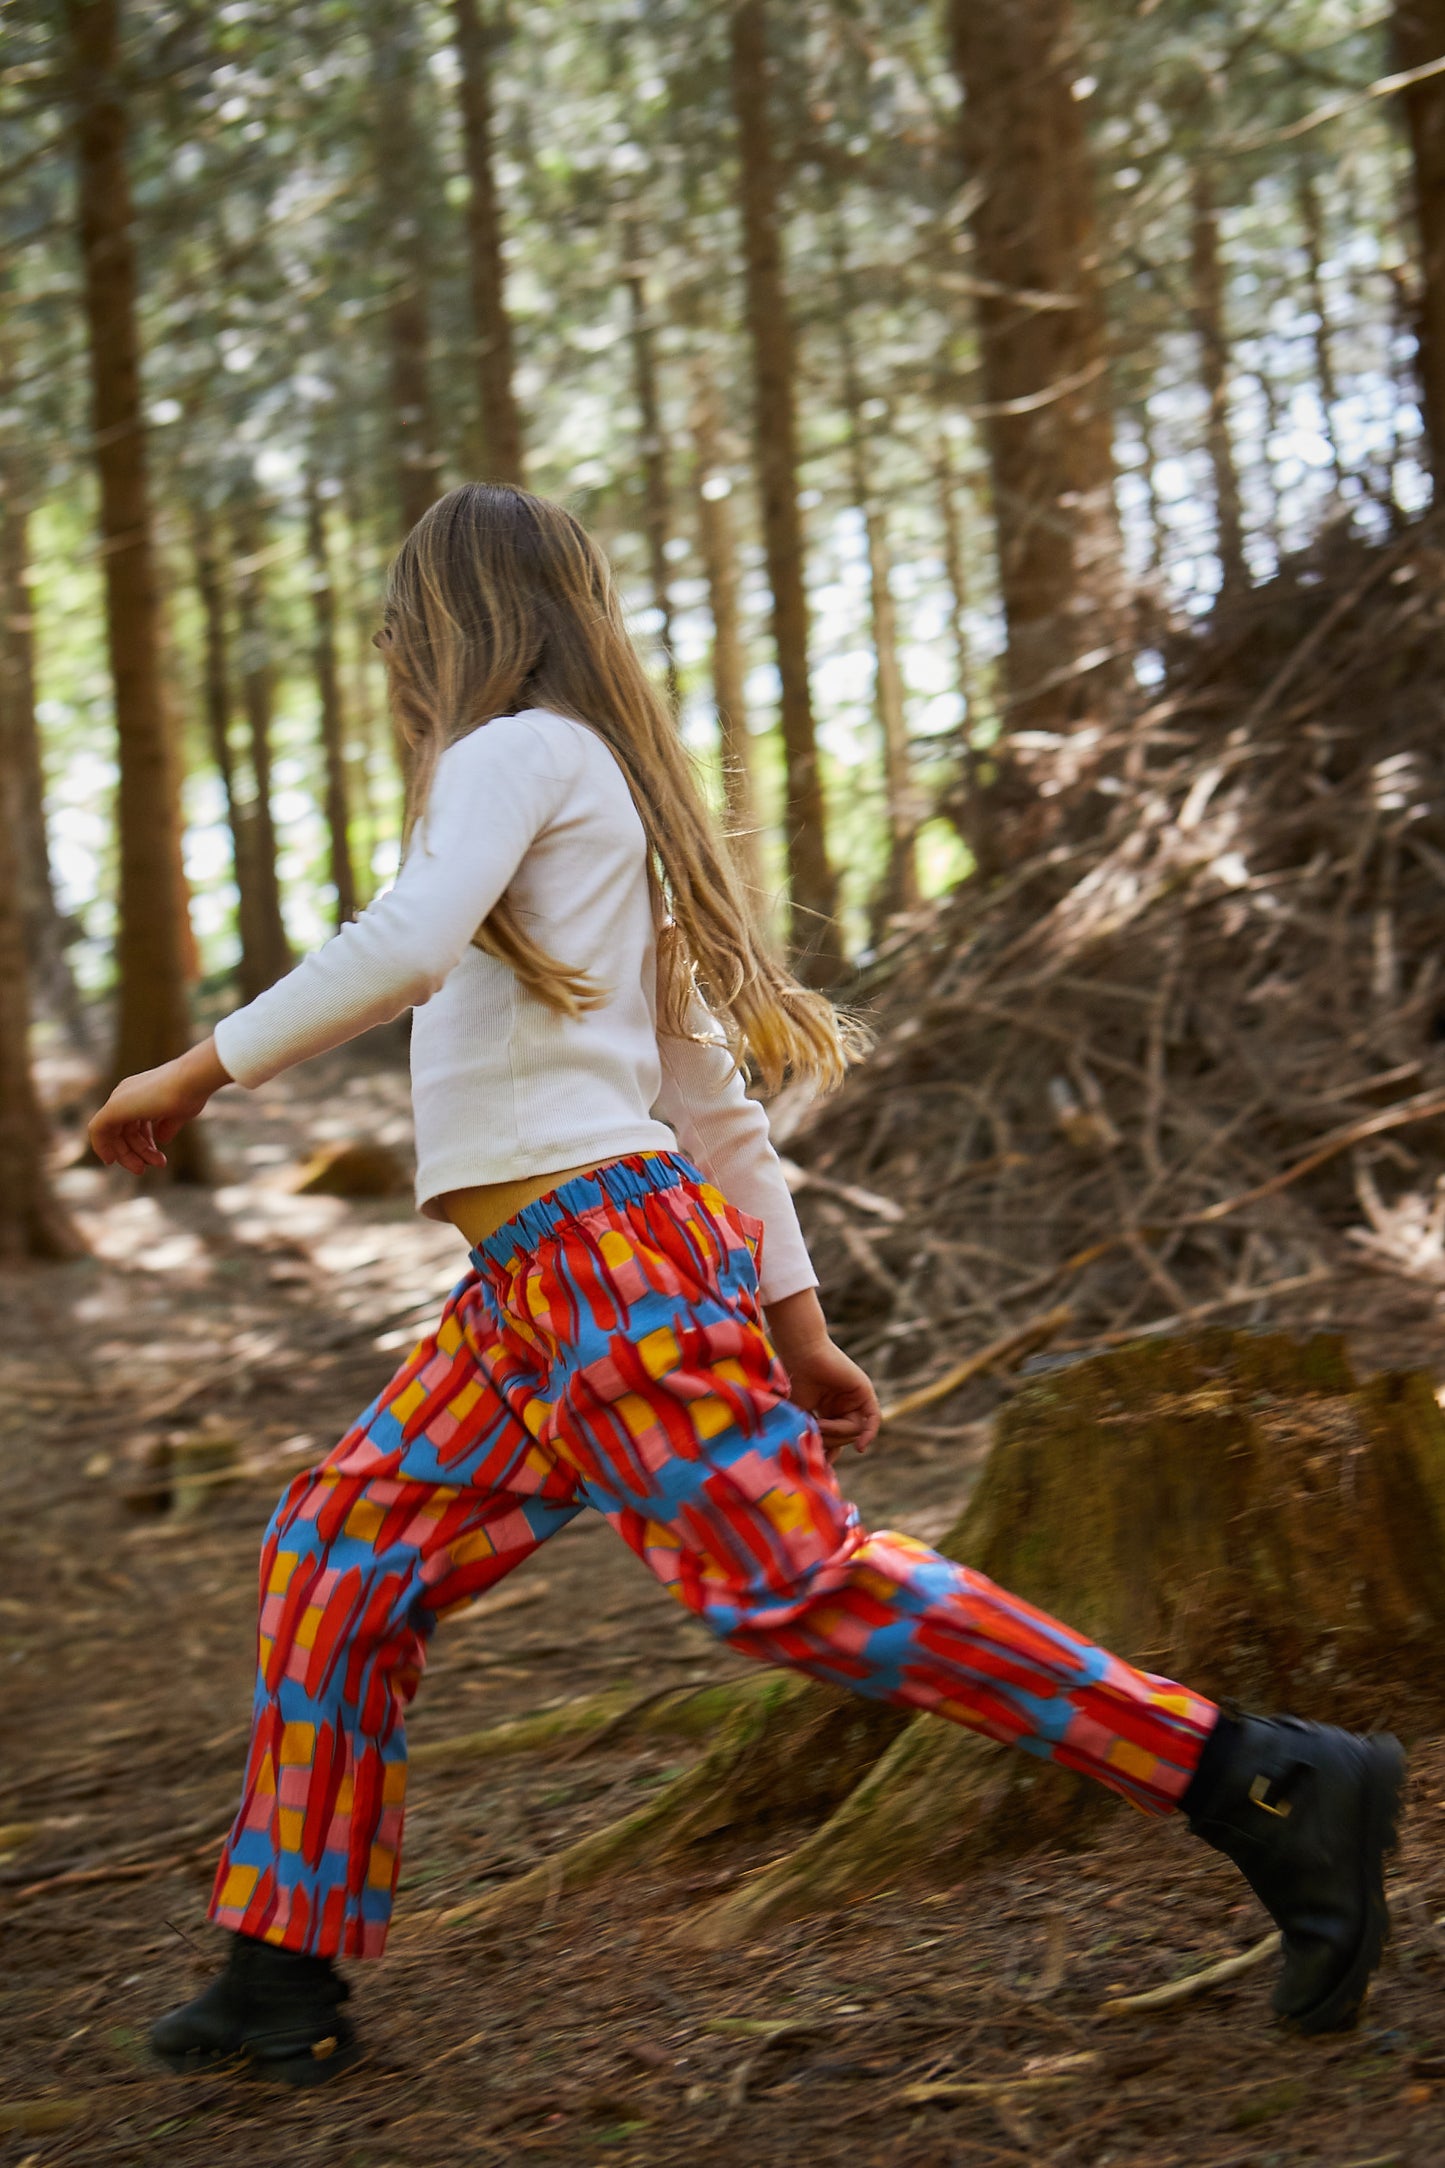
{"x":493,"y":793}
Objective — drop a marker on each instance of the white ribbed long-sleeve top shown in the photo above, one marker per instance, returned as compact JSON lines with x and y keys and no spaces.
{"x":534,"y":806}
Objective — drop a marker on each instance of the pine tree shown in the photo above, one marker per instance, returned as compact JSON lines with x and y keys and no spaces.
{"x":1043,"y":354}
{"x":153,"y":1023}
{"x":813,"y":889}
{"x":1418,"y":35}
{"x":501,"y":416}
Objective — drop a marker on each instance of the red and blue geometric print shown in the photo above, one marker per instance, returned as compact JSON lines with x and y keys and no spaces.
{"x":606,"y":1349}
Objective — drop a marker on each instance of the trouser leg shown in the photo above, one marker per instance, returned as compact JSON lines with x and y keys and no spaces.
{"x":675,"y":1415}
{"x":416,"y":1511}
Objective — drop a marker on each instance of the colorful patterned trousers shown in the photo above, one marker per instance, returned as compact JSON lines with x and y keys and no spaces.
{"x":606,"y":1349}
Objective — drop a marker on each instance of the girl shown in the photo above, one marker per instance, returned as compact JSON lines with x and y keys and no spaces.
{"x":639,"y":1329}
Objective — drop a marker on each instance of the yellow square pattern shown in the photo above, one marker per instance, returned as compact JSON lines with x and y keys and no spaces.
{"x":635,"y":1414}
{"x":364,"y":1519}
{"x":407,"y":1401}
{"x":1131,"y":1760}
{"x":238,"y":1885}
{"x":283,"y":1565}
{"x":298,"y":1746}
{"x":710,"y":1417}
{"x":659,"y":1351}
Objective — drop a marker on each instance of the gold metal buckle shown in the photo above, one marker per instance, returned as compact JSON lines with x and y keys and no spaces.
{"x":321,"y":2049}
{"x":1257,"y":1791}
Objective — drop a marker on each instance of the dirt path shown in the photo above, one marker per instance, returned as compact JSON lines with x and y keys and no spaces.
{"x":125,"y":1659}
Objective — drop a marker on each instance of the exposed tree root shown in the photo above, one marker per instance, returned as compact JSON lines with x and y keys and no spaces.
{"x":684,"y":1712}
{"x":939,"y":1798}
{"x":791,"y":1748}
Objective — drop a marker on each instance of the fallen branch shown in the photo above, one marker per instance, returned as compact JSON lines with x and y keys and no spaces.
{"x":1021,"y":1341}
{"x":1421,"y":1108}
{"x":1193,"y":1983}
{"x":1066,"y":2070}
{"x":127,"y":1868}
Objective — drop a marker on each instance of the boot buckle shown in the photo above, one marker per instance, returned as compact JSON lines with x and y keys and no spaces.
{"x":1257,"y":1792}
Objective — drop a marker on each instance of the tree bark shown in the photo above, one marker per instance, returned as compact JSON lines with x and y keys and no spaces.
{"x":495,"y":359}
{"x":899,"y":889}
{"x":218,"y":705}
{"x":1207,"y":296}
{"x":268,"y":957}
{"x":33,"y":1221}
{"x":1158,"y":531}
{"x":45,"y":924}
{"x":153,"y":1023}
{"x":1418,"y":36}
{"x":1048,"y":420}
{"x":328,"y":689}
{"x":1313,"y":224}
{"x":378,"y":740}
{"x":402,"y":195}
{"x":955,"y":571}
{"x":653,"y":447}
{"x":717,"y":547}
{"x":815,"y":934}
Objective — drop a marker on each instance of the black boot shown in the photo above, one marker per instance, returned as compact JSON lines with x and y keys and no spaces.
{"x":1308,"y":1814}
{"x":279,"y":2011}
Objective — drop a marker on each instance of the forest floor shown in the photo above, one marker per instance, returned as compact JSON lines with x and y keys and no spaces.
{"x":593,"y":2032}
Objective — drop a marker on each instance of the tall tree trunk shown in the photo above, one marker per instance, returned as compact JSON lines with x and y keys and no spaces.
{"x":1158,"y":531}
{"x":1207,"y":296}
{"x":1044,"y":366}
{"x":153,"y":1024}
{"x":1313,"y":224}
{"x":1404,"y":373}
{"x":1418,"y":35}
{"x":45,"y":923}
{"x":899,"y":888}
{"x":501,"y":416}
{"x":218,"y":705}
{"x":652,"y":444}
{"x":328,"y":688}
{"x":401,"y":185}
{"x":269,"y":956}
{"x":377,"y":738}
{"x":33,"y":1222}
{"x":955,"y":572}
{"x":815,"y":934}
{"x":1273,"y":423}
{"x":717,"y":547}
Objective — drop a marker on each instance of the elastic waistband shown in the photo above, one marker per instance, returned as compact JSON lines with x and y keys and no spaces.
{"x":626,"y":1181}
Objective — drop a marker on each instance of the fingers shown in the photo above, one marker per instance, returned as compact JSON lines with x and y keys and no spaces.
{"x":125,"y":1144}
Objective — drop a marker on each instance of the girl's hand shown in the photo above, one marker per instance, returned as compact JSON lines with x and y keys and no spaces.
{"x":145,"y":1111}
{"x":824,"y":1381}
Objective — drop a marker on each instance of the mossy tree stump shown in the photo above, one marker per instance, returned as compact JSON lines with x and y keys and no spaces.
{"x":1233,"y":1510}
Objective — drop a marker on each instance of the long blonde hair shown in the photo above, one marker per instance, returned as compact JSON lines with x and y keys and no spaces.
{"x":500,"y":601}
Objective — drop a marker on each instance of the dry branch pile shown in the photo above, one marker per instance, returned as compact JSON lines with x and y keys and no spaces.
{"x":1187,"y":1062}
